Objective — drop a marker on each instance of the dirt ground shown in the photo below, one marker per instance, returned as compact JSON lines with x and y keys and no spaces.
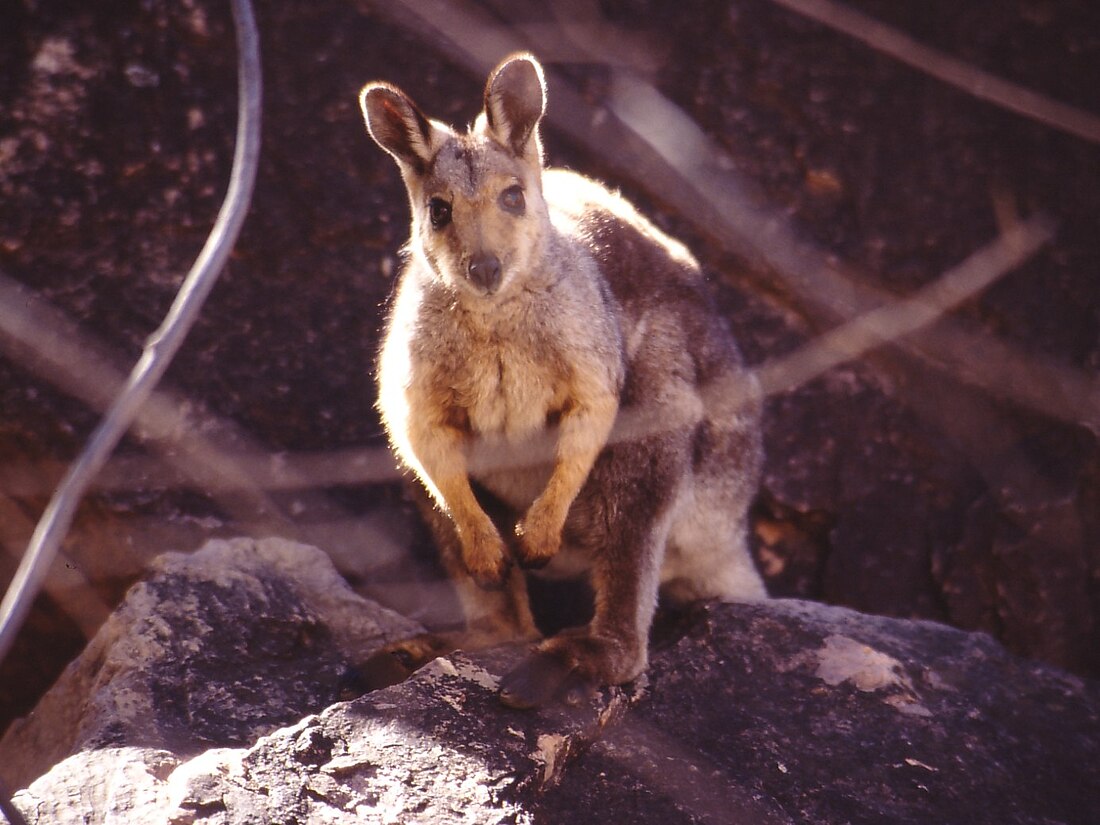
{"x":953,"y":474}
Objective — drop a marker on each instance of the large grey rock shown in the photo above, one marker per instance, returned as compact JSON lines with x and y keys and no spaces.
{"x":438,"y":749}
{"x":905,"y":486}
{"x":791,"y":711}
{"x":214,"y":649}
{"x":206,"y":698}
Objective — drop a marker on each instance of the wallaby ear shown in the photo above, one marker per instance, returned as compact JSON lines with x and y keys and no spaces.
{"x":515,"y":99}
{"x":397,"y":125}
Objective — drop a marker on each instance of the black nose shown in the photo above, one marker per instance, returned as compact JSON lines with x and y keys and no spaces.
{"x":484,"y":271}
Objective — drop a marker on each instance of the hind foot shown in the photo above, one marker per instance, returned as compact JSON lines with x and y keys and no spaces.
{"x":571,"y":668}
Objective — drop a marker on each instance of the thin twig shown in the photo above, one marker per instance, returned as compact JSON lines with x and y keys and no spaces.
{"x":970,"y":79}
{"x":161,"y":347}
{"x":898,"y":319}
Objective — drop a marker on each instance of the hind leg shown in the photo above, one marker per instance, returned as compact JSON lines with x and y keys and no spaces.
{"x":708,"y":555}
{"x":622,"y":520}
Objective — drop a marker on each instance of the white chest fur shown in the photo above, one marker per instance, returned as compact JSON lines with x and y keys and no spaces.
{"x":497,"y":367}
{"x":507,"y":390}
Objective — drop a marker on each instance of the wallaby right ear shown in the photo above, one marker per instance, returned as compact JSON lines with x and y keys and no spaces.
{"x":397,"y":125}
{"x":515,"y":100}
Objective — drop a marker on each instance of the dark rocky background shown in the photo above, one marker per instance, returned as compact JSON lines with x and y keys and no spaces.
{"x":901,"y":484}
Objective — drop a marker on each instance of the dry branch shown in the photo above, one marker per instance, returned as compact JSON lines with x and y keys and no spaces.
{"x":972,"y":80}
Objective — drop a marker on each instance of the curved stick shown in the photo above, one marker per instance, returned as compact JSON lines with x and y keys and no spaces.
{"x":161,"y":347}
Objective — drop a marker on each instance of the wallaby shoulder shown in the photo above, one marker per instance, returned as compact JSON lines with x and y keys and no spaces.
{"x":655,"y":283}
{"x":631,"y":252}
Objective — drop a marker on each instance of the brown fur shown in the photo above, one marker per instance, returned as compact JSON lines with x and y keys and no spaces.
{"x":560,"y":351}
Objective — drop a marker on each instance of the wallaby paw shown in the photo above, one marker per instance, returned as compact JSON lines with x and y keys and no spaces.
{"x":492,"y":577}
{"x":571,"y":667}
{"x":539,"y":539}
{"x":485,"y":559}
{"x":392,"y":664}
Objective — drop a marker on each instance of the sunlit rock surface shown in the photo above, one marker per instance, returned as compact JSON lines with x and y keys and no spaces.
{"x":208,"y":697}
{"x":215,"y":648}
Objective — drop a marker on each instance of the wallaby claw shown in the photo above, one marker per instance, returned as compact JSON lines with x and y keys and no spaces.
{"x":544,"y":677}
{"x":492,"y":578}
{"x":537,"y":545}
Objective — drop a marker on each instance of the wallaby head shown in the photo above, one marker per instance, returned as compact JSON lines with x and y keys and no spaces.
{"x":478,"y":216}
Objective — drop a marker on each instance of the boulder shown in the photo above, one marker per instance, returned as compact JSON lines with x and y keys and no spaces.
{"x":208,"y":697}
{"x":791,"y":711}
{"x":213,"y":649}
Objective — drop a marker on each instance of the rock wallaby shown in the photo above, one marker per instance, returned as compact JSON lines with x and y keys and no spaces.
{"x":555,"y":376}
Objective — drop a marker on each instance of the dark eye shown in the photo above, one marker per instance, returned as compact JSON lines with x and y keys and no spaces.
{"x":511,"y":200}
{"x":439,"y":211}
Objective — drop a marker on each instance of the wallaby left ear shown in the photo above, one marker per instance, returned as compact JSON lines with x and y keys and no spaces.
{"x":397,"y":125}
{"x":515,"y":99}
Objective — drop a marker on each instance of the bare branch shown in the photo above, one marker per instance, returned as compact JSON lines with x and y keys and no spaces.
{"x":901,"y":318}
{"x":970,"y":79}
{"x":194,"y":449}
{"x":883,"y":325}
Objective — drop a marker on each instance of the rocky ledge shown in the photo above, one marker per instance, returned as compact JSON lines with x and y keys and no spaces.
{"x":208,"y":697}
